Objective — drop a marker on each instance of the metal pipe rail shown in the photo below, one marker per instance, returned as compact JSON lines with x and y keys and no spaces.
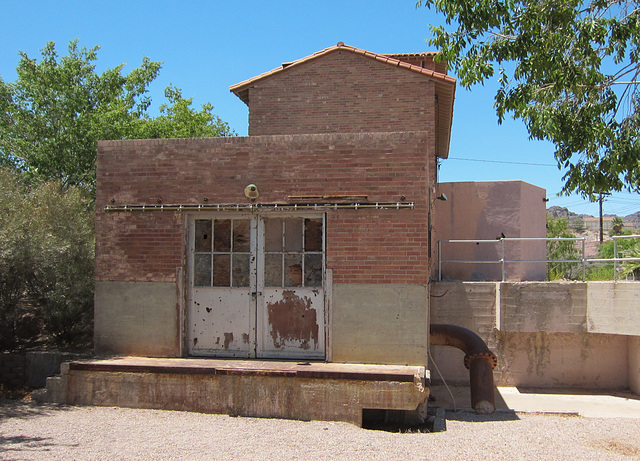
{"x":502,"y":261}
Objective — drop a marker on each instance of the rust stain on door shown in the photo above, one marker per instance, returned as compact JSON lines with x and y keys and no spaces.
{"x":292,"y":320}
{"x":228,"y":339}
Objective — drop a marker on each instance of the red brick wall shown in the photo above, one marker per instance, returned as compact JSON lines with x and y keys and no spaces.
{"x":341,"y":92}
{"x":363,"y":246}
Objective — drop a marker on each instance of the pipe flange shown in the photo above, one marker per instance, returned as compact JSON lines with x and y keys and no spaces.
{"x":487,"y":355}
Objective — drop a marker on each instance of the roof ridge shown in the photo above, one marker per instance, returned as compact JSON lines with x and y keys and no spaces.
{"x":385,"y":58}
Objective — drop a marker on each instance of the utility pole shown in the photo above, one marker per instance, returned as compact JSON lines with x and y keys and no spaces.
{"x":601,"y":221}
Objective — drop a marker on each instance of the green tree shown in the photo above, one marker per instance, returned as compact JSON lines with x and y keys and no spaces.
{"x":559,"y":251}
{"x":617,"y":226}
{"x":52,"y":116}
{"x":626,"y":248}
{"x":178,"y":120}
{"x":568,"y":69}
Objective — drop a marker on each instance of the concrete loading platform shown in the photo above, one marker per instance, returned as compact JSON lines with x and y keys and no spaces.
{"x":272,"y":389}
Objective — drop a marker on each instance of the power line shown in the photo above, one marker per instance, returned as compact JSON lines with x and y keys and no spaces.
{"x":499,"y":161}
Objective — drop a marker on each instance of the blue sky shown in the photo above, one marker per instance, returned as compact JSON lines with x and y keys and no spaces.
{"x":206,"y":46}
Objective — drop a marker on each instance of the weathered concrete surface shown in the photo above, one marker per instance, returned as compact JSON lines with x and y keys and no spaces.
{"x":546,"y":334}
{"x":552,"y":307}
{"x":614,"y":307}
{"x":579,"y":360}
{"x":380,"y":324}
{"x":42,"y":364}
{"x":319,"y":391}
{"x":136,"y":318}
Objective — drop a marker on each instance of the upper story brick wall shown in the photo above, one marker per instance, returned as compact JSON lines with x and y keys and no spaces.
{"x":363,"y":246}
{"x":341,"y":92}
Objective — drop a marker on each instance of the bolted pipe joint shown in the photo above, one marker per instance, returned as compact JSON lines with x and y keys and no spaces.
{"x":479,"y":360}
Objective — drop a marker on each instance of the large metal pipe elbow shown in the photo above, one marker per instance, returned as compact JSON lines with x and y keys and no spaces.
{"x":478,"y":359}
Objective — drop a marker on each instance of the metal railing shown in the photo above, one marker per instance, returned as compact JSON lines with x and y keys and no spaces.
{"x":503,"y":261}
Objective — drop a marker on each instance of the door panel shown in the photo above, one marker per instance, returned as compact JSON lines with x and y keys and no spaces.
{"x":221,"y":301}
{"x":292,"y":323}
{"x":221,"y":322}
{"x":257,"y":286}
{"x":291,"y":306}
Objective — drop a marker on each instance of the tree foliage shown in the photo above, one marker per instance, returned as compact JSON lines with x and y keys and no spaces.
{"x":46,"y":257}
{"x":626,"y":248}
{"x":560,"y":251}
{"x":569,"y":69}
{"x":52,"y":116}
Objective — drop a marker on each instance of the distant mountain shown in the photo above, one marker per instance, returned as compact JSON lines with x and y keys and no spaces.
{"x":632,"y":220}
{"x":561,"y":212}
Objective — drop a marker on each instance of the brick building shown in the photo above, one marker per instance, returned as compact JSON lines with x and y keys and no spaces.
{"x":308,"y":239}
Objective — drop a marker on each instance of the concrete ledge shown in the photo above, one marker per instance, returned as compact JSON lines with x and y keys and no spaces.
{"x":305,"y":391}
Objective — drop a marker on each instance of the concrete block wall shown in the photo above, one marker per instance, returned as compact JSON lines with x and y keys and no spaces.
{"x":31,"y":368}
{"x":13,"y":368}
{"x":342,"y":92}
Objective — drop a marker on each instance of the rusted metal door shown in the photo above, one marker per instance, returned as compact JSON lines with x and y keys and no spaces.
{"x":221,"y":319}
{"x":291,"y":289}
{"x":256,"y":286}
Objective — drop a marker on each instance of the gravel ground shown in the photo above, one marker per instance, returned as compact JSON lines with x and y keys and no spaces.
{"x":31,"y":431}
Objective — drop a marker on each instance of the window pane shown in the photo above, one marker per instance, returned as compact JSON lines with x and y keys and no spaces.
{"x":273,"y":270}
{"x":313,"y":270}
{"x":221,"y":270}
{"x":313,"y":235}
{"x":293,"y":270}
{"x":293,"y":234}
{"x":241,"y":270}
{"x":222,"y":235}
{"x":202,"y":270}
{"x":203,"y":235}
{"x":273,"y":235}
{"x":241,"y":235}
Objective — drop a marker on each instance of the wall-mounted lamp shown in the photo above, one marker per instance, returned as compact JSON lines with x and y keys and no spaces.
{"x":545,"y":199}
{"x":251,"y":191}
{"x":442,"y":197}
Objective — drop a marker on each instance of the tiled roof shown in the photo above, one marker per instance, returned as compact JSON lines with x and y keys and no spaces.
{"x":445,"y":85}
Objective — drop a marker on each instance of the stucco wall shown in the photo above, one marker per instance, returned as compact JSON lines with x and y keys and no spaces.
{"x":488,"y":211}
{"x":634,"y":364}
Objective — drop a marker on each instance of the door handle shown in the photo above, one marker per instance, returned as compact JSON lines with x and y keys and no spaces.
{"x":256,"y":293}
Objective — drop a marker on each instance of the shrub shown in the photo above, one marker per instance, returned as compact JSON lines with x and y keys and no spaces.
{"x":47,"y":254}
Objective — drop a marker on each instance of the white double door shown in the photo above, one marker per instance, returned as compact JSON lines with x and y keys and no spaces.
{"x":256,"y":286}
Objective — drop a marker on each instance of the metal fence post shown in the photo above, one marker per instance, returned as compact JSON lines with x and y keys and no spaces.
{"x":584,"y":261}
{"x":615,"y":259}
{"x":502,"y":259}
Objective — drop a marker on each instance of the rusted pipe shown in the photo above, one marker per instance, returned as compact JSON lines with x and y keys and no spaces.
{"x":479,"y":360}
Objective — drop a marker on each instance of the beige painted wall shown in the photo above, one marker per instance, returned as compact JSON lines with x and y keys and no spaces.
{"x":634,"y":364}
{"x":136,"y":318}
{"x":546,"y":334}
{"x":486,"y":211}
{"x":379,"y":323}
